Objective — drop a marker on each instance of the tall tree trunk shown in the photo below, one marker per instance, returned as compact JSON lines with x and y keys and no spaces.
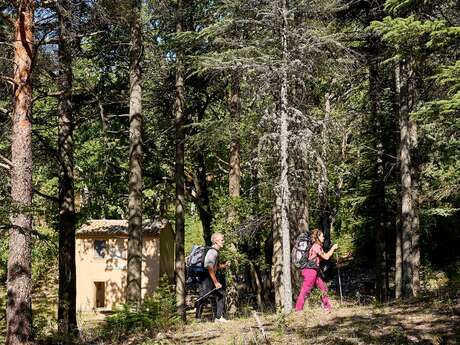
{"x":67,"y":317}
{"x":201,"y":186}
{"x":179,"y":170}
{"x":398,"y":229}
{"x":415,"y":240}
{"x":254,"y":249}
{"x":277,"y":255}
{"x":234,"y":178}
{"x":324,"y":212}
{"x":375,"y":91}
{"x":19,"y":284}
{"x":414,"y":171}
{"x":134,"y":276}
{"x":284,"y":182}
{"x":298,"y":203}
{"x":406,"y":186}
{"x":410,"y":233}
{"x":298,"y":192}
{"x":398,"y":260}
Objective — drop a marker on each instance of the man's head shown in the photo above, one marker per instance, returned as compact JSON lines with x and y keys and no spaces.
{"x":303,"y":226}
{"x":217,"y":240}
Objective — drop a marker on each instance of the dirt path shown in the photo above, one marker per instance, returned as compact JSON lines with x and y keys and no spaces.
{"x":418,"y":323}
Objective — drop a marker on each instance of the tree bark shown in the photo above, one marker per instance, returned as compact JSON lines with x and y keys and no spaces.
{"x":201,"y":186}
{"x":19,"y":283}
{"x":375,"y":91}
{"x":398,"y":260}
{"x":407,"y":209}
{"x":410,"y":224}
{"x":284,"y":182}
{"x":414,"y":171}
{"x":398,"y":229}
{"x":324,"y":212}
{"x":277,"y":255}
{"x":67,"y":317}
{"x":234,"y":177}
{"x":134,"y":275}
{"x":179,"y":170}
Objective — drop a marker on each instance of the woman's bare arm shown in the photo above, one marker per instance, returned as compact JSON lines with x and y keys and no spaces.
{"x":326,"y":256}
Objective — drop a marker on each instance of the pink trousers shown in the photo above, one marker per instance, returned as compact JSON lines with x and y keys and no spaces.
{"x":310,"y":280}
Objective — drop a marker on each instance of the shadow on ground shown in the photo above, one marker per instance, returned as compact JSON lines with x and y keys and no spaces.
{"x":410,"y":323}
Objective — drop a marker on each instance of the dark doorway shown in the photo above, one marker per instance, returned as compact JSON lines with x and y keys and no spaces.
{"x":100,"y":294}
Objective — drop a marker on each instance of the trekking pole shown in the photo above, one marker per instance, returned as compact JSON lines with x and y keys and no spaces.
{"x":338,"y":274}
{"x":205,"y":295}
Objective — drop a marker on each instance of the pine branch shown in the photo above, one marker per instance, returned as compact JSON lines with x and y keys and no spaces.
{"x":51,"y":94}
{"x":8,"y":79}
{"x":48,"y":197}
{"x":10,"y":164}
{"x":46,"y":145}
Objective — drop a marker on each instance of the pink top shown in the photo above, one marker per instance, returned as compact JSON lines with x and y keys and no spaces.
{"x":313,"y":254}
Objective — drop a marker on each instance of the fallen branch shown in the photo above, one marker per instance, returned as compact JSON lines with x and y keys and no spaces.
{"x":261,"y":328}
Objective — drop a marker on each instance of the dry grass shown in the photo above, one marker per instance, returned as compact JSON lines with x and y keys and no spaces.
{"x":419,"y":322}
{"x":435,"y":321}
{"x":409,"y":323}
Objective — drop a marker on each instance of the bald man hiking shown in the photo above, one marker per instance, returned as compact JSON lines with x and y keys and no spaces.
{"x":209,"y":285}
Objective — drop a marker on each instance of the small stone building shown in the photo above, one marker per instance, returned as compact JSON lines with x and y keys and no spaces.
{"x":101,"y":252}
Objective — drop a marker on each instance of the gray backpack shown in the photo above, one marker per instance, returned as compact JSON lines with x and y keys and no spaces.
{"x":301,"y":250}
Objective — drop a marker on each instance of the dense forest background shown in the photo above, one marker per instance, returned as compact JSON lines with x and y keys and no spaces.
{"x":243,"y":117}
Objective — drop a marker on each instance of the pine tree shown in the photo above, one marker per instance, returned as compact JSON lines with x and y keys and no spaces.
{"x":67,"y":313}
{"x":179,"y":109}
{"x":19,"y":285}
{"x":134,"y":286}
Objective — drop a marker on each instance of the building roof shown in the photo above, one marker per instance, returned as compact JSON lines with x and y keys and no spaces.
{"x":119,"y":227}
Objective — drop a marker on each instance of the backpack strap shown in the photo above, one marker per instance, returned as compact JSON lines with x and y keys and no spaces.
{"x":312,"y":263}
{"x":207,"y":249}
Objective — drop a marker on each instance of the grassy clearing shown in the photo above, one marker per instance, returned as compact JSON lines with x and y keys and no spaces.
{"x":420,"y":322}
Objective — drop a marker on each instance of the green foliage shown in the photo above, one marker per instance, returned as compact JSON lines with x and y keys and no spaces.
{"x":443,"y":282}
{"x":453,"y":273}
{"x":419,"y":32}
{"x":44,"y":255}
{"x":240,"y":38}
{"x":448,"y":77}
{"x":3,"y":258}
{"x":193,"y":233}
{"x":156,"y":312}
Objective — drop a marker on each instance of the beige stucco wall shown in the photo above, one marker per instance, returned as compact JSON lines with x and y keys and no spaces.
{"x":167,"y":251}
{"x":112,"y":270}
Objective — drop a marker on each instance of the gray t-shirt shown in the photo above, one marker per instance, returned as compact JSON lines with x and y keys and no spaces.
{"x":211,"y":258}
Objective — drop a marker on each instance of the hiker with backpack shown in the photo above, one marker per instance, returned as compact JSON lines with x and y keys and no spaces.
{"x":209,"y":285}
{"x":309,"y":261}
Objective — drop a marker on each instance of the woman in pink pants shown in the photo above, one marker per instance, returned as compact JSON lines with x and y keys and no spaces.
{"x":311,"y":277}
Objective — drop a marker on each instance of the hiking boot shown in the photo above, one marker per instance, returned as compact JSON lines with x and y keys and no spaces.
{"x":221,"y":319}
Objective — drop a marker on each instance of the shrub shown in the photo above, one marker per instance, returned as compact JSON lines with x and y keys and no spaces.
{"x":156,"y":312}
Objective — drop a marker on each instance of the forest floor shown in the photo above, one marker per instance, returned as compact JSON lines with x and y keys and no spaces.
{"x":417,"y":322}
{"x":432,"y":319}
